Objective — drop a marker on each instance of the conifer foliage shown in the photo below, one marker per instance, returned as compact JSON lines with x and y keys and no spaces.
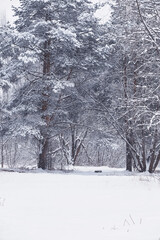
{"x":54,"y":46}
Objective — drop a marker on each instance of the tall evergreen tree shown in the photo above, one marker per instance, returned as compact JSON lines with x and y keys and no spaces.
{"x":56,"y":45}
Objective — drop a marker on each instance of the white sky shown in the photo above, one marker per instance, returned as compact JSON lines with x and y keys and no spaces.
{"x":5,"y":5}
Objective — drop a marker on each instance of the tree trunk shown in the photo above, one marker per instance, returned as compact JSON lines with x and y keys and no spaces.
{"x":2,"y":154}
{"x":128,"y":142}
{"x":43,"y":156}
{"x":73,"y":150}
{"x":44,"y":162}
{"x":78,"y":148}
{"x":143,"y":151}
{"x":128,"y":156}
{"x":153,"y":156}
{"x":47,"y":64}
{"x":156,"y":162}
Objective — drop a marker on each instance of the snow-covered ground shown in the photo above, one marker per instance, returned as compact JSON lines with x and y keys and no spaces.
{"x":79,"y":205}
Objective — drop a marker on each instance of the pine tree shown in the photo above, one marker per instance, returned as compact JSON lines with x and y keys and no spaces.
{"x":54,"y":47}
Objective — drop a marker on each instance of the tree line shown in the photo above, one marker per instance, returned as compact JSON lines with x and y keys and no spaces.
{"x":76,"y":91}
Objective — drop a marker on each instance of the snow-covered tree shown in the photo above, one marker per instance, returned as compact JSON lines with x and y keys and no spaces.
{"x":54,"y":47}
{"x":135,"y":71}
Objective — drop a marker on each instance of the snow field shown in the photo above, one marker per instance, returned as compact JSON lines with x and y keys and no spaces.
{"x":43,"y":206}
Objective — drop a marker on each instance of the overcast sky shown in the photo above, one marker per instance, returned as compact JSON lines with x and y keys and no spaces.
{"x":5,"y":5}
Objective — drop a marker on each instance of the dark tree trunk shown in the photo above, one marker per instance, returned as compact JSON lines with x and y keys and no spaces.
{"x":156,"y":162}
{"x":128,"y":142}
{"x":2,"y":154}
{"x":43,"y":156}
{"x":153,"y":154}
{"x":143,"y":151}
{"x":128,"y":157}
{"x":47,"y":64}
{"x":73,"y":143}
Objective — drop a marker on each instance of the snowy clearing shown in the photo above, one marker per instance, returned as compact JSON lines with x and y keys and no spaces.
{"x":79,"y":205}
